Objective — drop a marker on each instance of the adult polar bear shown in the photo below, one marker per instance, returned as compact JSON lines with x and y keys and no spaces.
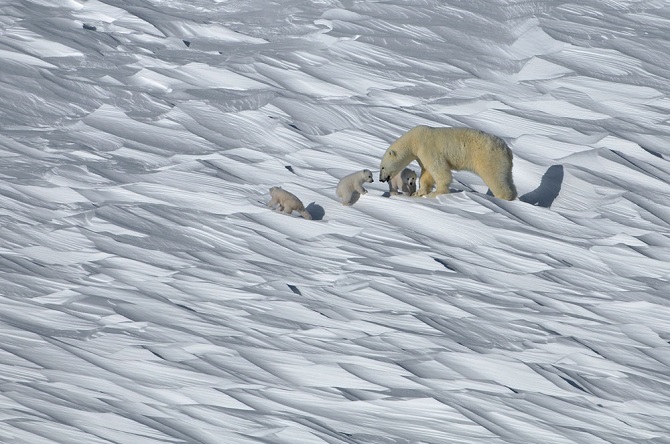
{"x":438,"y":151}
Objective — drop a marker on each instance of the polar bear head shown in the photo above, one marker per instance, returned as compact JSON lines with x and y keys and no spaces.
{"x":367,"y":175}
{"x":391,"y":165}
{"x":408,"y":178}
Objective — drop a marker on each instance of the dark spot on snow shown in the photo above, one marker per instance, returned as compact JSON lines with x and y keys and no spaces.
{"x":574,"y":384}
{"x":547,"y":192}
{"x":187,"y":43}
{"x":89,"y":27}
{"x":185,"y":307}
{"x":290,"y":168}
{"x":293,"y":126}
{"x":153,"y":352}
{"x":316,"y":211}
{"x":444,"y":263}
{"x":294,"y":289}
{"x":652,"y":152}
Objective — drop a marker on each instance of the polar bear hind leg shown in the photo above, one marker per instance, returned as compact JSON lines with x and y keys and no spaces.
{"x":501,"y":188}
{"x":499,"y":180}
{"x":344,"y":197}
{"x":441,"y":185}
{"x":438,"y":178}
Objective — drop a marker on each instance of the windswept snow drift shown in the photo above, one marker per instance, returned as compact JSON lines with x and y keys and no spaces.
{"x":149,"y":296}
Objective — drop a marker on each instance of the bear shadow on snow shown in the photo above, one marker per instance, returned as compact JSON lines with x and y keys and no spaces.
{"x":550,"y":185}
{"x":316,"y":211}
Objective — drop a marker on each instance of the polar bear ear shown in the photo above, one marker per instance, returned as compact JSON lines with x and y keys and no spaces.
{"x":392,"y":153}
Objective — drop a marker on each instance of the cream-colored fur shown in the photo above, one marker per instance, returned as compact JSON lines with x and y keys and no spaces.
{"x":287,"y":202}
{"x":441,"y":150}
{"x":405,"y":181}
{"x":350,"y":187}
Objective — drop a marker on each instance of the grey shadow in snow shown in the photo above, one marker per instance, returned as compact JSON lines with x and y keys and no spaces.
{"x":294,"y":289}
{"x":354,"y":198}
{"x":388,"y":194}
{"x":547,"y":192}
{"x":316,"y":211}
{"x":444,"y":263}
{"x":652,"y":152}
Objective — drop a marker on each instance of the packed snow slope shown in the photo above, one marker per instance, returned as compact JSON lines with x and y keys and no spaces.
{"x":148,"y":295}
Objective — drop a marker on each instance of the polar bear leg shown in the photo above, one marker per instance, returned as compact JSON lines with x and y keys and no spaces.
{"x":393,"y":189}
{"x":345,"y":198}
{"x":500,"y":182}
{"x":426,"y":183}
{"x":343,"y":194}
{"x":442,"y":179}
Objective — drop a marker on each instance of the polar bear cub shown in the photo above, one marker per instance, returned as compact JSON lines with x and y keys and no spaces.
{"x":441,"y":150}
{"x":350,"y":188}
{"x":287,"y":202}
{"x":405,"y":181}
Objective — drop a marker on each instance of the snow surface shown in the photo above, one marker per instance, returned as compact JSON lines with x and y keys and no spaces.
{"x":149,"y":296}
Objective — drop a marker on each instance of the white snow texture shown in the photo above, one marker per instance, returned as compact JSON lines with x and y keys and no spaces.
{"x":148,"y":295}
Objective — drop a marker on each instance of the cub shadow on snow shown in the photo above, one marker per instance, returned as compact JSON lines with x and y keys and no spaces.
{"x":550,"y":185}
{"x":400,"y":193}
{"x":316,"y":211}
{"x":354,"y":198}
